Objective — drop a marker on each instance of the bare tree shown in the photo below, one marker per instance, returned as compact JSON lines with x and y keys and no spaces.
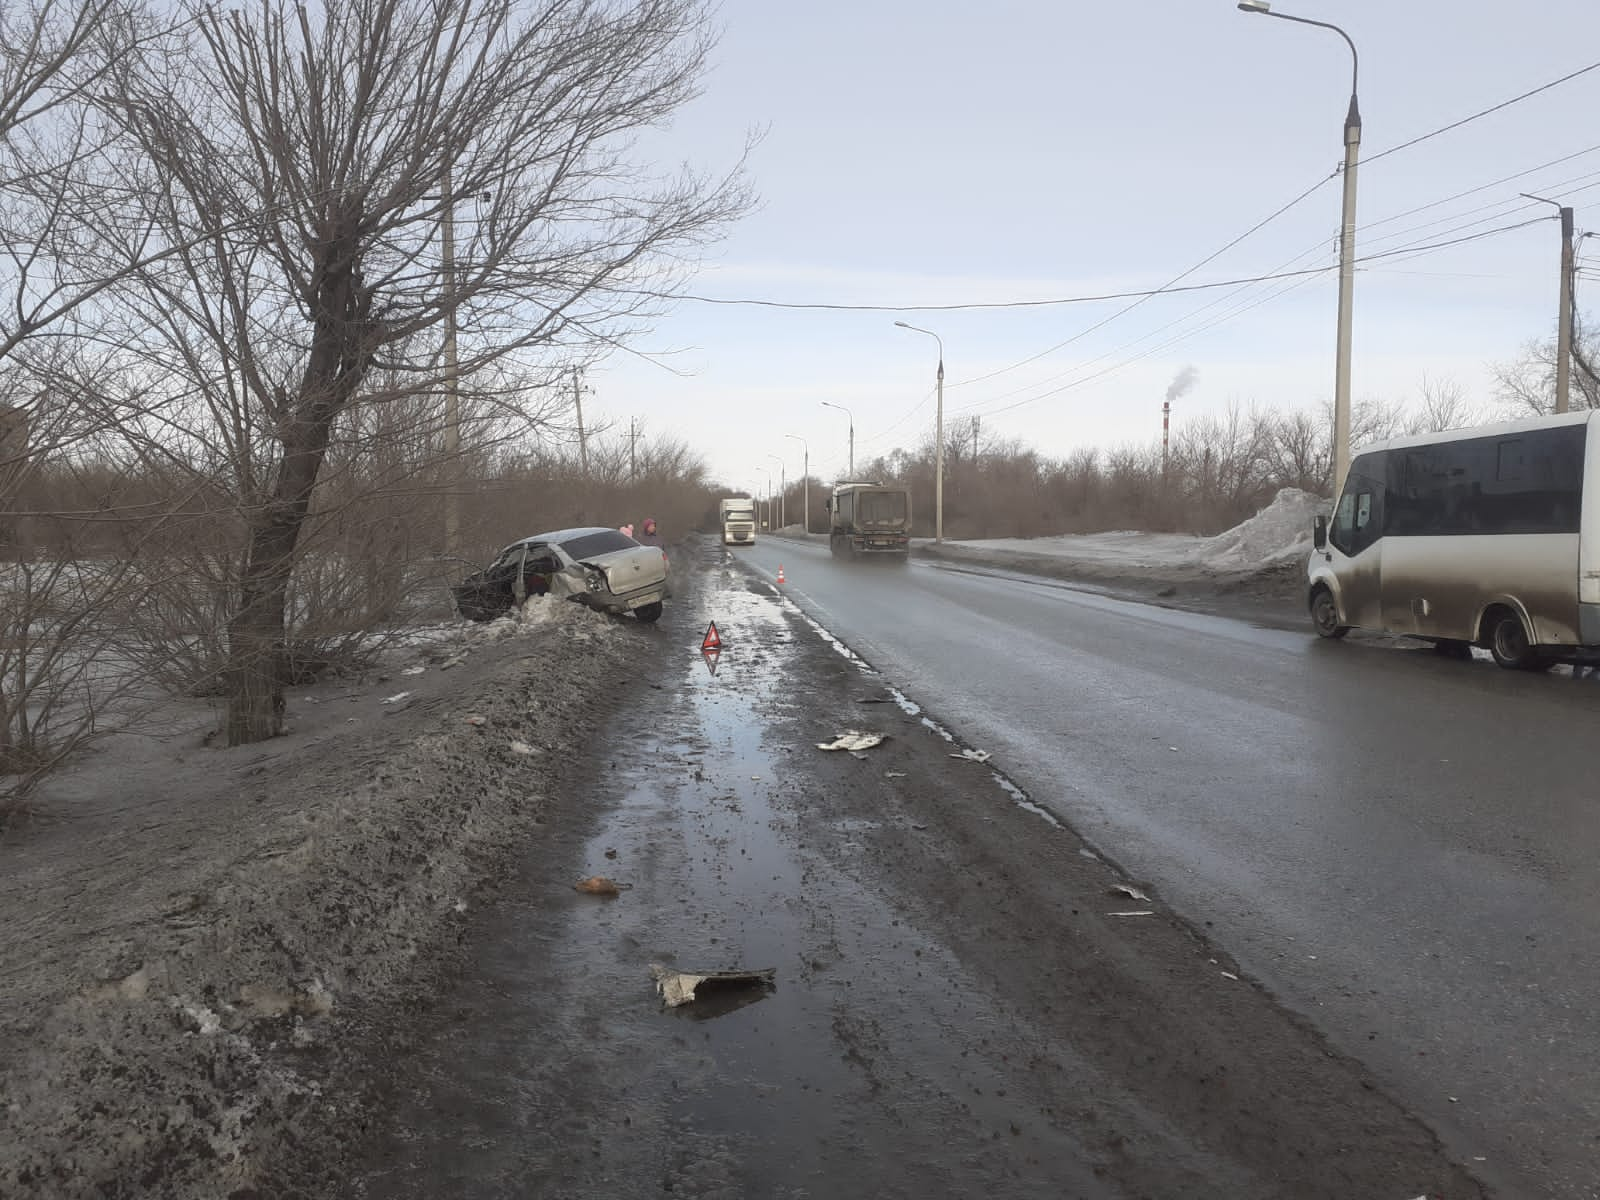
{"x":1527,"y":383}
{"x":1444,"y":406}
{"x":326,"y":156}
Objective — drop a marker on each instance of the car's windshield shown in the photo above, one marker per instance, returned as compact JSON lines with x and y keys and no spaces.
{"x":589,"y":545}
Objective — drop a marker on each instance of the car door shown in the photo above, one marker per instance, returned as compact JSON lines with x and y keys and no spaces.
{"x":1355,"y":538}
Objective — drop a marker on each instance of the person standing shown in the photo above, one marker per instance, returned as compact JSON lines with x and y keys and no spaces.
{"x":649,"y":535}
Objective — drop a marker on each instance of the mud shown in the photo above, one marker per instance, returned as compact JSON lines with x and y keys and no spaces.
{"x":960,"y":1006}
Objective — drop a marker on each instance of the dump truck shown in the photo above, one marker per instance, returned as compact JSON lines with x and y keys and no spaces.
{"x":869,"y":519}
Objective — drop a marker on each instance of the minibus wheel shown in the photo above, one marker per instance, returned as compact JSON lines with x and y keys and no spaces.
{"x":1325,"y":615}
{"x":1508,"y":642}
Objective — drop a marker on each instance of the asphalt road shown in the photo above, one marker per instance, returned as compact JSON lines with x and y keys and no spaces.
{"x":1402,"y":847}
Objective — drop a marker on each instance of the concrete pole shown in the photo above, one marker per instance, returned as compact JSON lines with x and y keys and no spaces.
{"x":805,"y":480}
{"x":1564,"y":333}
{"x":452,"y":394}
{"x":1347,"y":279}
{"x":577,"y":402}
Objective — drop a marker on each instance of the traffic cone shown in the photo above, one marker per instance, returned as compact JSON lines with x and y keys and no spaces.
{"x":780,"y":572}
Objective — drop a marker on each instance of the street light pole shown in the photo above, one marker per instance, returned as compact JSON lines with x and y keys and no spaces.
{"x":938,"y":436}
{"x":805,"y":479}
{"x":783,"y":487}
{"x":846,"y":412}
{"x":1347,"y":245}
{"x":768,"y":474}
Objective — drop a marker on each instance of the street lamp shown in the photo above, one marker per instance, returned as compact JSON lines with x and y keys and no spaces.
{"x":805,"y":478}
{"x":783,"y":486}
{"x":846,"y":412}
{"x":938,"y":438}
{"x":1347,"y":245}
{"x":768,"y":474}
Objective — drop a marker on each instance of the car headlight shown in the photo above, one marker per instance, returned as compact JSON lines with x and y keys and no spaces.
{"x":595,"y":580}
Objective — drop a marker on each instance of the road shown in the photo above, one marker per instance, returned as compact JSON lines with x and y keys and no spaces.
{"x":1401,"y":847}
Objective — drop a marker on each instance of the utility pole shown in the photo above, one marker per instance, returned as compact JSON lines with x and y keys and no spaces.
{"x":1563,"y":307}
{"x":633,"y":464}
{"x":577,"y":402}
{"x":977,"y":428}
{"x":452,"y":395}
{"x":805,"y":479}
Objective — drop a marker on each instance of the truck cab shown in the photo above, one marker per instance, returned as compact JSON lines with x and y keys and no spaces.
{"x":869,"y":519}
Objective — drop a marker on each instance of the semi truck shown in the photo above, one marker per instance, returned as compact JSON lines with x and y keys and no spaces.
{"x":869,"y":519}
{"x":738,"y":521}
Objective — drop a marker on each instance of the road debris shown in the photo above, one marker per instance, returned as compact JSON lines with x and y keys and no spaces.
{"x":679,"y":987}
{"x":853,"y":739}
{"x":1141,"y":912}
{"x":894,"y":774}
{"x":521,"y":749}
{"x":597,"y":885}
{"x":977,"y":756}
{"x":1230,"y":975}
{"x":414,"y":671}
{"x":396,"y":698}
{"x":1132,"y":893}
{"x":477,"y":721}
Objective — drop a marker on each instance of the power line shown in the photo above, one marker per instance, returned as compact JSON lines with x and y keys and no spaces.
{"x":1544,"y":87}
{"x":1176,"y":279}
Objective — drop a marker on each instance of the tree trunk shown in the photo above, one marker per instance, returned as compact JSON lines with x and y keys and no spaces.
{"x":338,"y":360}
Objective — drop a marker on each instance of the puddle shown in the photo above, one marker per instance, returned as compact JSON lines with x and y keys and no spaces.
{"x":871,"y":1067}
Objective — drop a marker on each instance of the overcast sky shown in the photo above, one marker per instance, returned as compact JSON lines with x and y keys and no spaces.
{"x":945,"y":153}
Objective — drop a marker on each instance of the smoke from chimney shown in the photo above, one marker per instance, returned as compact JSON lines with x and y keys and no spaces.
{"x":1181,"y":383}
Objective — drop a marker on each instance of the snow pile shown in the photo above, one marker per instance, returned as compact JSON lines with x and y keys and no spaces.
{"x":1278,"y":533}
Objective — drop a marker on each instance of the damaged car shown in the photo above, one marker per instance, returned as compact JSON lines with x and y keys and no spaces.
{"x":603,"y":568}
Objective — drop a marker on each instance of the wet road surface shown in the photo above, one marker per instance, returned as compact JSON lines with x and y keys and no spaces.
{"x":963,"y":1007}
{"x":1403,"y":847}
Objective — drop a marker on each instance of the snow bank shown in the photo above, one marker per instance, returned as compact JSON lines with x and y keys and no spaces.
{"x":1278,"y":533}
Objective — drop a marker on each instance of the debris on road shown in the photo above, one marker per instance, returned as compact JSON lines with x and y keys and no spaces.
{"x":396,"y":698}
{"x":853,"y":739}
{"x":894,"y":774}
{"x":477,"y":721}
{"x":1142,"y":912}
{"x":977,"y":756}
{"x":521,"y":748}
{"x":1132,"y":893}
{"x":1230,"y":975}
{"x":414,"y":671}
{"x":679,"y":987}
{"x":597,"y":885}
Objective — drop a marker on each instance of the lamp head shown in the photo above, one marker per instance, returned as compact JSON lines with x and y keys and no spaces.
{"x":1255,"y":6}
{"x":902,"y":325}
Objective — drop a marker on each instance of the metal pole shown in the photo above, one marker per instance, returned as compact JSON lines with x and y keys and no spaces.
{"x":851,"y":470}
{"x":938,"y":436}
{"x":805,"y":481}
{"x":938,"y":458}
{"x":452,"y":395}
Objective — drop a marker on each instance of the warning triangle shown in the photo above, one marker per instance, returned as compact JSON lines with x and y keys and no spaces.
{"x":712,"y":640}
{"x":711,"y":658}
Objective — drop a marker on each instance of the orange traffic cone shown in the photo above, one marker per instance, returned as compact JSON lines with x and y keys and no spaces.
{"x":780,"y":572}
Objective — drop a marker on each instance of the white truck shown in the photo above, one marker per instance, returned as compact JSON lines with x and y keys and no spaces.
{"x":738,"y":521}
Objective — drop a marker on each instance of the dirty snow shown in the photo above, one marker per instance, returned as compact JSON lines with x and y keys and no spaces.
{"x":1278,"y":533}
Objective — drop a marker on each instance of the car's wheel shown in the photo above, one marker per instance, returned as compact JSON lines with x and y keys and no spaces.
{"x":1325,"y":615}
{"x":1508,"y":642}
{"x":648,"y":613}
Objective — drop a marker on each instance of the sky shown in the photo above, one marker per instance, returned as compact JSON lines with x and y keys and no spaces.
{"x":942,"y":153}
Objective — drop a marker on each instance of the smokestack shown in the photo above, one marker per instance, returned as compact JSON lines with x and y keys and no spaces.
{"x":1181,"y":383}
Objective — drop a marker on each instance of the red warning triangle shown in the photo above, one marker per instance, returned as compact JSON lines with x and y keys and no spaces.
{"x":712,"y":640}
